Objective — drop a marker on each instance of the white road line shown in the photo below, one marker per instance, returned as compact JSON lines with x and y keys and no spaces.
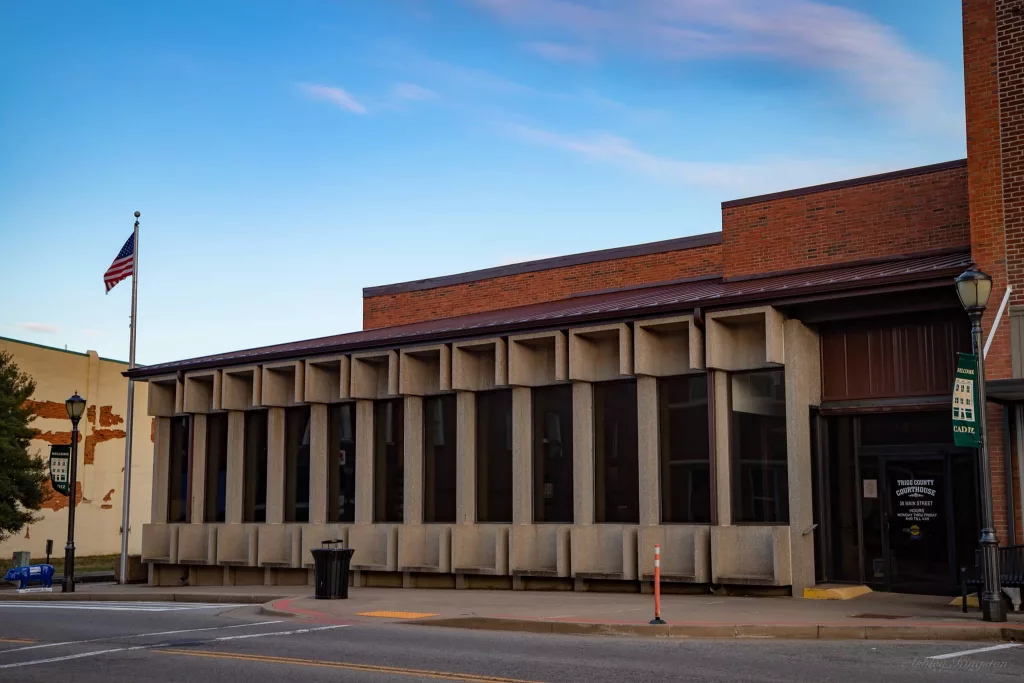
{"x":139,"y":635}
{"x":97,"y":653}
{"x":121,"y":607}
{"x":951,"y":655}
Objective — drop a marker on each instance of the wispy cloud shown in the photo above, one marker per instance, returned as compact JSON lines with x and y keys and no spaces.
{"x":559,"y":52}
{"x":863,"y":52}
{"x":412,"y":92}
{"x":45,"y":328}
{"x":334,"y":95}
{"x":735,"y":179}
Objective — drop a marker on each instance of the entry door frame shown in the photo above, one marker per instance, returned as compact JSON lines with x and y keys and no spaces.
{"x":885,"y":454}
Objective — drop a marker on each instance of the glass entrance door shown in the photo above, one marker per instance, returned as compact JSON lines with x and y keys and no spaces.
{"x":917,"y":536}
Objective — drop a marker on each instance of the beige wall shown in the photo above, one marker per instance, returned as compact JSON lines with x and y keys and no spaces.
{"x":58,"y":374}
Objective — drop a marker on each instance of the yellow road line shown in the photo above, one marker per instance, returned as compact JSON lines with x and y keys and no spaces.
{"x":17,"y":640}
{"x":266,"y":659}
{"x":396,"y":615}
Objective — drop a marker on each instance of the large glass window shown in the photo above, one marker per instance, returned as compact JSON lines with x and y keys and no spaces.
{"x":255,"y":497}
{"x":179,"y":464}
{"x":215,"y":508}
{"x":758,"y":445}
{"x":296,"y":464}
{"x":685,"y":453}
{"x":616,"y":463}
{"x":341,"y":463}
{"x":388,"y":460}
{"x":552,"y":454}
{"x":494,"y":456}
{"x":439,"y":462}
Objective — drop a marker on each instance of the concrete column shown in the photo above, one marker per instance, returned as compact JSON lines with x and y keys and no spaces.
{"x":723,"y":460}
{"x":465,"y":456}
{"x":522,"y":455}
{"x":803,"y":389}
{"x":648,"y":450}
{"x":161,"y":460}
{"x":275,"y":466}
{"x":198,"y":469}
{"x":364,"y":462}
{"x":319,"y":450}
{"x":583,"y":452}
{"x":412,"y":506}
{"x":236,"y":466}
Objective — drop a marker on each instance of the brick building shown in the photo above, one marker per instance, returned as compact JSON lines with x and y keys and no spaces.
{"x":754,"y":400}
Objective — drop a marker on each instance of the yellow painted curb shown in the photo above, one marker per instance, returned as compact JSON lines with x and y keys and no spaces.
{"x":396,"y":615}
{"x":835,"y":592}
{"x":972,"y":601}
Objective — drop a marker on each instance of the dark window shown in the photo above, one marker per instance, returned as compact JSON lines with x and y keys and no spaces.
{"x":616,"y":463}
{"x":296,"y":464}
{"x":758,"y":444}
{"x":685,"y":453}
{"x":552,"y":454}
{"x":439,"y":463}
{"x":341,"y":463}
{"x":216,"y":467}
{"x":255,"y":509}
{"x":178,"y":468}
{"x":388,"y":460}
{"x":892,"y":429}
{"x":494,"y":456}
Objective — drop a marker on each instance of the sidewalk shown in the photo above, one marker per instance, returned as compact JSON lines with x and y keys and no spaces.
{"x":875,"y":616}
{"x":871,"y":616}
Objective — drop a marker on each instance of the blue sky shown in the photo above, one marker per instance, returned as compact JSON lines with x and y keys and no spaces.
{"x":286,"y":154}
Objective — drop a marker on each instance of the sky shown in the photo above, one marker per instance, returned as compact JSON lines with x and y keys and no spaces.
{"x":284,"y":155}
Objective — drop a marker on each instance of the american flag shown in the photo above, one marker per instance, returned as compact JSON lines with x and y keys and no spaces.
{"x":122,"y":265}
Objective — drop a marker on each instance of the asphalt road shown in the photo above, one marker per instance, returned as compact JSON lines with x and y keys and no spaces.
{"x":174,"y":642}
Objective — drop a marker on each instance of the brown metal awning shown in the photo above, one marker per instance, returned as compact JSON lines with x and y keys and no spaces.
{"x":633,"y":302}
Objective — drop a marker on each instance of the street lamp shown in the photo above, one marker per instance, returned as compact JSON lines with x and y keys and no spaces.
{"x":75,"y":407}
{"x":974,"y":287}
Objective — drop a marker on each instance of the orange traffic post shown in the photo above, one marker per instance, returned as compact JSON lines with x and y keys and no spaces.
{"x":657,"y":620}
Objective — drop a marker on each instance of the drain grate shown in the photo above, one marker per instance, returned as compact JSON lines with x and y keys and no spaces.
{"x":868,"y":615}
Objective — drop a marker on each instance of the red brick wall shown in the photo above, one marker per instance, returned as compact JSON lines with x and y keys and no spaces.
{"x":983,"y":82}
{"x":893,"y":216}
{"x":540,"y":286}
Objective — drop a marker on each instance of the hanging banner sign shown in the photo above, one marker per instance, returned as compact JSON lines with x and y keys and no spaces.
{"x":60,"y":469}
{"x":965,"y":417}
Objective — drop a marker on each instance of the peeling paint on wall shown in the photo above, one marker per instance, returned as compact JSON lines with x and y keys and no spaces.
{"x":56,"y":501}
{"x":56,"y":438}
{"x":108,"y":418}
{"x":50,"y":409}
{"x":106,"y":498}
{"x":90,"y":414}
{"x":97,"y":437}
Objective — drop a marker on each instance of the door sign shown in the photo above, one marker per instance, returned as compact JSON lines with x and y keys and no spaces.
{"x":915,"y":503}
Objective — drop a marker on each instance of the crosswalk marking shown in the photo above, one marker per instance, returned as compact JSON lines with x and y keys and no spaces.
{"x":141,"y":635}
{"x":118,"y":606}
{"x":96,"y":653}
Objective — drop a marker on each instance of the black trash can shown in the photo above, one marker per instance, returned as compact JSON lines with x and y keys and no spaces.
{"x":330,"y":567}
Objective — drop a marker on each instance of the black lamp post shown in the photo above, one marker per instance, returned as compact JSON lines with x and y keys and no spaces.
{"x":974,"y":287}
{"x":75,"y":406}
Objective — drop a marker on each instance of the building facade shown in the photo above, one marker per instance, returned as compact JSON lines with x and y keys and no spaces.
{"x":58,"y":374}
{"x":770,"y":403}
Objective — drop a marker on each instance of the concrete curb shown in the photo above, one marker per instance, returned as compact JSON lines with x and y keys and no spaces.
{"x":209,"y":598}
{"x":969,"y":632}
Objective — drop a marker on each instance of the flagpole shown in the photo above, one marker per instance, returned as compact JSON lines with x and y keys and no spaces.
{"x":126,"y":504}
